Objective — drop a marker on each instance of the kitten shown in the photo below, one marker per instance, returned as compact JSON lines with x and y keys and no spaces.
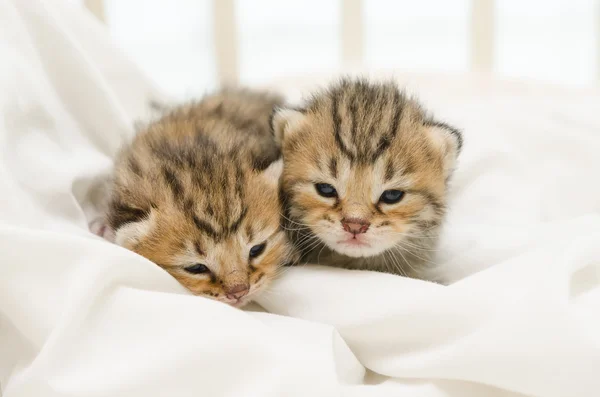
{"x":365,"y":177}
{"x":196,"y":192}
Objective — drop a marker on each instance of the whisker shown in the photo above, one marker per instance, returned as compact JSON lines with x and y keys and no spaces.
{"x":292,"y":221}
{"x":386,"y":262}
{"x":319,"y":254}
{"x":397,"y":265}
{"x":414,"y":254}
{"x":307,"y":241}
{"x":419,"y":247}
{"x":284,"y":227}
{"x":406,"y":261}
{"x":412,"y":234}
{"x":312,"y":245}
{"x":307,"y":237}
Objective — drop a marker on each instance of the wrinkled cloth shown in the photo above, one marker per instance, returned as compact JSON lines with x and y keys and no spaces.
{"x":82,"y":317}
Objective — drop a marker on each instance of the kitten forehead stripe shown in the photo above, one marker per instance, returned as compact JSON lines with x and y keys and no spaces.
{"x":389,"y":171}
{"x":384,"y":133}
{"x":249,"y":232}
{"x":398,"y":106}
{"x":366,"y":118}
{"x":198,"y":248}
{"x":353,"y":110}
{"x":333,"y":167}
{"x":337,"y":121}
{"x":236,"y":225}
{"x":198,"y":170}
{"x":173,"y":182}
{"x":205,"y":227}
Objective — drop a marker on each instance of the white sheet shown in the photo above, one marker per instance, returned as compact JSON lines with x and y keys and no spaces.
{"x":81,"y":317}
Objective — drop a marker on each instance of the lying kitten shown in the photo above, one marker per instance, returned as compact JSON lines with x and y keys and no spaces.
{"x":196,"y":192}
{"x":365,"y":177}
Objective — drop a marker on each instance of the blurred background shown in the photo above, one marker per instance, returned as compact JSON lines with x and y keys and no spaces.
{"x":191,"y":46}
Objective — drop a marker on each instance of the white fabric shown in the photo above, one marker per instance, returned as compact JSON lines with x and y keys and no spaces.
{"x":82,"y":317}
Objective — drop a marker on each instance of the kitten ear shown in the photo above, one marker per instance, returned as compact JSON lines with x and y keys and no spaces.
{"x":284,"y":121}
{"x":100,"y":227}
{"x":448,"y":140}
{"x":273,"y":172}
{"x":132,"y":232}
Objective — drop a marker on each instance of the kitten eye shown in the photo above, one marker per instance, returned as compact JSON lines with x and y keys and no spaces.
{"x":326,"y":190}
{"x":198,"y":268}
{"x":257,"y":250}
{"x":391,"y":196}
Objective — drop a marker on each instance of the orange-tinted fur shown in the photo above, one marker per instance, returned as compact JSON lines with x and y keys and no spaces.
{"x":364,"y":139}
{"x":200,"y":186}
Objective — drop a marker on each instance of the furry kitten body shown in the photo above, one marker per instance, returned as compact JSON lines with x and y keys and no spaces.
{"x":365,"y":178}
{"x":196,"y":192}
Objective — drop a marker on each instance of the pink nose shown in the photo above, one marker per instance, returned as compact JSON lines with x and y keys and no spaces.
{"x":237,"y":292}
{"x":355,"y":225}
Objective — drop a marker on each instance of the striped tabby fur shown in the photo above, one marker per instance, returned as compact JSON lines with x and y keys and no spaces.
{"x":200,"y":187}
{"x":363,"y":139}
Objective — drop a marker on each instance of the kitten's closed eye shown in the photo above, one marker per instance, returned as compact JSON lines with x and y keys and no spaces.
{"x":391,"y":196}
{"x":257,"y":250}
{"x":198,"y":268}
{"x":326,"y":190}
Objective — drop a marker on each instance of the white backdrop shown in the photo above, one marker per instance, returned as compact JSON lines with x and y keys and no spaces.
{"x":555,"y":41}
{"x":82,"y":317}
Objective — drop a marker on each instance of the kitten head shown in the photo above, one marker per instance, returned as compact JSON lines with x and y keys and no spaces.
{"x":365,"y":169}
{"x":207,"y":216}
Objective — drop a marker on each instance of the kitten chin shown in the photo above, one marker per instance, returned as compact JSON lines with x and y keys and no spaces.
{"x":196,"y":192}
{"x":365,"y":177}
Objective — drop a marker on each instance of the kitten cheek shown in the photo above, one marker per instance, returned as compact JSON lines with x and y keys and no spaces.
{"x":322,"y":227}
{"x":310,"y":201}
{"x":259,"y":286}
{"x":397,"y":234}
{"x":428,"y":214}
{"x":196,"y":285}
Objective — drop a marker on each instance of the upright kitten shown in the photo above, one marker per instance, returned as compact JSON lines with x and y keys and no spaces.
{"x":196,"y":192}
{"x":365,"y":177}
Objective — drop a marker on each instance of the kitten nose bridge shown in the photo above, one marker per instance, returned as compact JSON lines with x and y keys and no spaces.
{"x":355,"y":218}
{"x":355,"y":210}
{"x":236,"y":282}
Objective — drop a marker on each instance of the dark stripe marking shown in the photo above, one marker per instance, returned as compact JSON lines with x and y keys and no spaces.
{"x":236,"y":225}
{"x":389,"y":171}
{"x":198,"y":248}
{"x":134,"y":166}
{"x":249,"y":232}
{"x":122,"y":213}
{"x":335,"y":116}
{"x":399,"y":107}
{"x":333,"y":167}
{"x":173,"y":182}
{"x":205,"y":227}
{"x":433,"y":201}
